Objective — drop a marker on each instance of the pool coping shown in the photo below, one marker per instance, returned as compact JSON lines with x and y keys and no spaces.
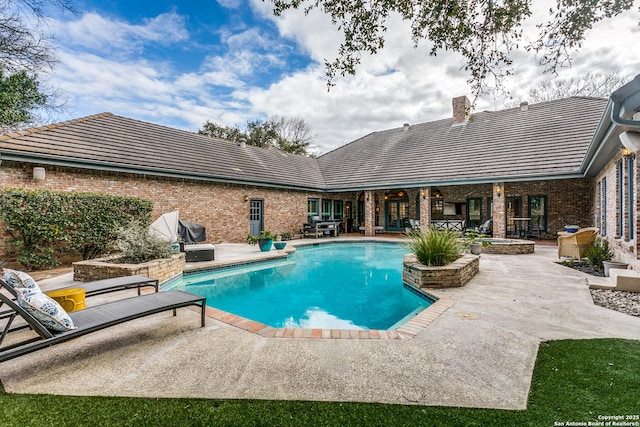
{"x":407,"y":330}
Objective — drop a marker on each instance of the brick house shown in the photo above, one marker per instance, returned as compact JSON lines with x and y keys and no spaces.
{"x":558,"y":161}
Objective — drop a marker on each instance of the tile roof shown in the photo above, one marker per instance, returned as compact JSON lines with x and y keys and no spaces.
{"x":549,"y":140}
{"x":107,"y":141}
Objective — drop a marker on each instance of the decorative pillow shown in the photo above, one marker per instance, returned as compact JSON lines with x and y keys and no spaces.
{"x":19,"y":279}
{"x":44,"y":309}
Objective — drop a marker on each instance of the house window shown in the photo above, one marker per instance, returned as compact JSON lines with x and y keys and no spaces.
{"x":538,"y":208}
{"x":312,"y":207}
{"x":337,"y":209}
{"x":620,"y":199}
{"x":630,"y":198}
{"x":326,"y":209}
{"x":603,"y":206}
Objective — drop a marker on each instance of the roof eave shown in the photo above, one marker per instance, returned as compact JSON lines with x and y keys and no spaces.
{"x":160,"y":172}
{"x":471,"y":181}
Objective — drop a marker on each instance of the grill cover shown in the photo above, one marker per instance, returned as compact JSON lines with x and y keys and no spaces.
{"x":191,"y":232}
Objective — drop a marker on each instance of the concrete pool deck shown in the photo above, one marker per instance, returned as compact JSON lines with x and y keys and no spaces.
{"x":479,"y":353}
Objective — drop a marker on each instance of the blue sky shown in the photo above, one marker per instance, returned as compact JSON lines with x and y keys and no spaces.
{"x":181,"y":63}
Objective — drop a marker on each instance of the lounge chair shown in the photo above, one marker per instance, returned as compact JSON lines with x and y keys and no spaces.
{"x":575,"y":244}
{"x":99,"y":287}
{"x":91,"y":319}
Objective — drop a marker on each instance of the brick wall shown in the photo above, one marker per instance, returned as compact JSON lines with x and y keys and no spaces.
{"x":624,"y":245}
{"x":217,"y":206}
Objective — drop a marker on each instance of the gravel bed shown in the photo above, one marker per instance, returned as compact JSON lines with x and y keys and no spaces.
{"x":625,"y":302}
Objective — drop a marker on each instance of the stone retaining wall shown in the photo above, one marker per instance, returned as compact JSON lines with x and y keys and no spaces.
{"x":454,"y":275}
{"x":103,"y":268}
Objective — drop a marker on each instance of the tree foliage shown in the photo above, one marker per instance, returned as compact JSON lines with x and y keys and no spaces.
{"x":20,"y":95}
{"x":484,"y":32}
{"x":25,"y":53}
{"x":289,"y":134}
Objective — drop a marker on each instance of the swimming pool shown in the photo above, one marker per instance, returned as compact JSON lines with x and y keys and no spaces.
{"x":333,"y":286}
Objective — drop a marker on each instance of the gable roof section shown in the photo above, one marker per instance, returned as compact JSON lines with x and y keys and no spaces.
{"x":108,"y":142}
{"x":547,"y":141}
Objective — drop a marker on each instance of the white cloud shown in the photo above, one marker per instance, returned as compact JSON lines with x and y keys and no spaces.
{"x":400,"y":84}
{"x":97,"y":32}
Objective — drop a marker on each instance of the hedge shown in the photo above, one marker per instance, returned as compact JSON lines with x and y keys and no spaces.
{"x":47,"y":224}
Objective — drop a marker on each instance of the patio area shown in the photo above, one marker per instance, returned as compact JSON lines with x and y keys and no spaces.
{"x":478,"y":353}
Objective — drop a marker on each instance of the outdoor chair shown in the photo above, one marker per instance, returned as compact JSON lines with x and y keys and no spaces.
{"x":99,"y":287}
{"x":535,"y":228}
{"x":486,"y":228}
{"x":575,"y":244}
{"x":85,"y":321}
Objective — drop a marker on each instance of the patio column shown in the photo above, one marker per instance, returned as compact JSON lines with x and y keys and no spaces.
{"x":425,"y":208}
{"x":498,"y":210}
{"x":369,"y":212}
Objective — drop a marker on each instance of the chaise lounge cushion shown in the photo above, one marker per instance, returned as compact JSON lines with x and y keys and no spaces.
{"x":44,"y":309}
{"x":19,"y":279}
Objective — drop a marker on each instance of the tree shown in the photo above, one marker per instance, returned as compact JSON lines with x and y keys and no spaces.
{"x":25,"y":53}
{"x":19,"y":96}
{"x":591,"y":84}
{"x":289,"y":134}
{"x":295,"y":134}
{"x":484,"y":32}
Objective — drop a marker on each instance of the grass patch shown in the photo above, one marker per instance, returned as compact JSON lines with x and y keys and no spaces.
{"x":573,"y":380}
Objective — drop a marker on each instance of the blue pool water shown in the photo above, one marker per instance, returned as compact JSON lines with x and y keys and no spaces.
{"x":340,"y":286}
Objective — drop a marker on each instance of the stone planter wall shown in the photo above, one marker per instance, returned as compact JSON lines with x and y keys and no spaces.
{"x":454,"y":275}
{"x":104,"y":268}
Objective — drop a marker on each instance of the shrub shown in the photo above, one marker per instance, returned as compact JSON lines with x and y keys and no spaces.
{"x":435,"y":247}
{"x":598,"y":252}
{"x":47,"y":224}
{"x":137,"y":245}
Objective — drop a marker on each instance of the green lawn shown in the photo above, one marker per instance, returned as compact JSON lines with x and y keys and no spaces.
{"x":573,"y":381}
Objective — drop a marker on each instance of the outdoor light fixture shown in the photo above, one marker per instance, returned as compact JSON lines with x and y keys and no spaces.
{"x":630,"y":140}
{"x":437,"y":194}
{"x":423,"y":194}
{"x":626,"y":152}
{"x":246,"y":198}
{"x":497,"y":188}
{"x":38,"y":174}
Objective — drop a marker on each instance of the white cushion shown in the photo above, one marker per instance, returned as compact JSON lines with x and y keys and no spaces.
{"x":44,"y":309}
{"x":19,"y":279}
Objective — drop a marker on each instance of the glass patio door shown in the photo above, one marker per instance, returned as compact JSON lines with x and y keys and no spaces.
{"x":397,"y":212}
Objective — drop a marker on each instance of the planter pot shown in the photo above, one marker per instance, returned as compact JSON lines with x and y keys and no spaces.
{"x":454,"y":275}
{"x":608,"y":265}
{"x":279,"y":245}
{"x":475,"y":248}
{"x":265,"y":244}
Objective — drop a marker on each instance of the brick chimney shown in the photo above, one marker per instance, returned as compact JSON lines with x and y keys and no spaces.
{"x":461,"y":108}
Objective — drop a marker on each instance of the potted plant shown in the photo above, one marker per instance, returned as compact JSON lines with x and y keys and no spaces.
{"x":281,"y":243}
{"x":475,"y":241}
{"x":264,"y":240}
{"x":599,"y":257}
